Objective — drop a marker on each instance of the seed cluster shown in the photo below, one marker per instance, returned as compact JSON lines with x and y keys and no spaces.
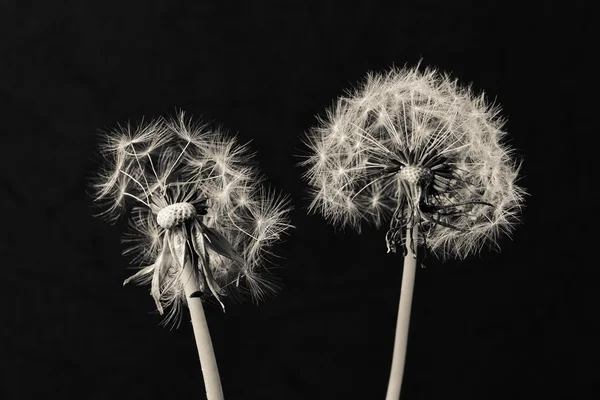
{"x":413,"y":146}
{"x":194,"y":197}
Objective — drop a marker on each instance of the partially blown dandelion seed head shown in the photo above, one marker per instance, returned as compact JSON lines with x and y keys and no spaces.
{"x":194,"y":196}
{"x":414,"y":147}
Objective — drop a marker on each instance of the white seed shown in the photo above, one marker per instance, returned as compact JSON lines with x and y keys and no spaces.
{"x":175,"y":214}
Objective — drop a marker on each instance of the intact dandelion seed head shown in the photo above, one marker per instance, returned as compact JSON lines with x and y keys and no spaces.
{"x":194,"y":196}
{"x":411,"y":147}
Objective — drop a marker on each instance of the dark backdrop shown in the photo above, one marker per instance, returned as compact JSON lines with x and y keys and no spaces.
{"x":498,"y":326}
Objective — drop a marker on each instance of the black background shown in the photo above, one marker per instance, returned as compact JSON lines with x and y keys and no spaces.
{"x":497,"y":326}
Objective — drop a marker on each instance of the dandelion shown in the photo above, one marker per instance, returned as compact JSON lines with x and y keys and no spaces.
{"x":201,"y":221}
{"x":415,"y":150}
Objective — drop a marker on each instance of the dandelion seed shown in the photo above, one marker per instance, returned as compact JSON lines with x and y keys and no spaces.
{"x":423,"y":155}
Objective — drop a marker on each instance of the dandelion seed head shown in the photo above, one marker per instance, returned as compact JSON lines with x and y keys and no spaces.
{"x":195,"y":196}
{"x":414,"y":146}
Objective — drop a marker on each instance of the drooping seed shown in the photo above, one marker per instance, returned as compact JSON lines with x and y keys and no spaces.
{"x":175,"y":214}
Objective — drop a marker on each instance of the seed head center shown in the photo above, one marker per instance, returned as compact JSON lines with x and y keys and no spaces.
{"x":175,"y":214}
{"x":416,"y":175}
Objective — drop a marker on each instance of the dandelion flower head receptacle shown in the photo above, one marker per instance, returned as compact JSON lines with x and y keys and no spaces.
{"x":413,"y":148}
{"x":194,"y":196}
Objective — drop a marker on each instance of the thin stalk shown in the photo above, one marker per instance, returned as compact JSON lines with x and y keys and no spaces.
{"x":406,"y":295}
{"x":208,"y":362}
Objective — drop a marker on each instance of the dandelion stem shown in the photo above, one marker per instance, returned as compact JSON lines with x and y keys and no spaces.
{"x":208,"y":362}
{"x":406,"y":294}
